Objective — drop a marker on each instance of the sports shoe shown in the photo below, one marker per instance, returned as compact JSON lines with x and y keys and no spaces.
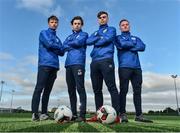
{"x":117,"y":120}
{"x":92,"y":119}
{"x":35,"y":117}
{"x":45,"y":117}
{"x":141,"y":118}
{"x":74,"y":117}
{"x":124,"y":118}
{"x":80,"y":119}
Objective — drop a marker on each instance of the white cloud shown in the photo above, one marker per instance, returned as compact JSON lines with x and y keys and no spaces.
{"x":147,"y":65}
{"x":45,"y":7}
{"x":35,"y":4}
{"x":110,"y":3}
{"x":155,"y":82}
{"x":6,"y":56}
{"x":158,"y":89}
{"x":29,"y":60}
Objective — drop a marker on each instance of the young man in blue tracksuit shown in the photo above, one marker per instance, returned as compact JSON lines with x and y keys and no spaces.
{"x":102,"y":65}
{"x":50,"y":47}
{"x":75,"y":45}
{"x":128,"y":47}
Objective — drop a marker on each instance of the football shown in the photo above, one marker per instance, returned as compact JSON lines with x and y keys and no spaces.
{"x":62,"y":114}
{"x":106,"y":114}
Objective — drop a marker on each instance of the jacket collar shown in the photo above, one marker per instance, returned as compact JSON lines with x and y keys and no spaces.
{"x":52,"y":31}
{"x":103,"y":26}
{"x":125,"y":33}
{"x":74,"y":32}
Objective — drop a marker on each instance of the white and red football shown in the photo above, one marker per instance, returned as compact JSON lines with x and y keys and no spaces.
{"x":106,"y":114}
{"x":62,"y":114}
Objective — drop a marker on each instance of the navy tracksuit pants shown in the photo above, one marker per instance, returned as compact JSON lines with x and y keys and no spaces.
{"x":135,"y":76}
{"x":45,"y":80}
{"x":104,"y":69}
{"x":75,"y":81}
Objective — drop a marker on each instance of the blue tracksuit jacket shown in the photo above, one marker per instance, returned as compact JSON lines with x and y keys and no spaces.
{"x":103,"y":41}
{"x":75,"y":45}
{"x":50,"y":47}
{"x":128,"y":47}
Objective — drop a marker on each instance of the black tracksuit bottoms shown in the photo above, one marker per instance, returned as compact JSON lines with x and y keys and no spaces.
{"x":75,"y":81}
{"x":135,"y":76}
{"x":104,"y":69}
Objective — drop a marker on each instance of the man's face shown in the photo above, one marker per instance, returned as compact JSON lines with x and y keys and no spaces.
{"x":103,"y":19}
{"x":53,"y":24}
{"x":77,"y":25}
{"x":124,"y":26}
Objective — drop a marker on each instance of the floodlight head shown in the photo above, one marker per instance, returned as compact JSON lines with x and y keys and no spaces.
{"x":174,"y":76}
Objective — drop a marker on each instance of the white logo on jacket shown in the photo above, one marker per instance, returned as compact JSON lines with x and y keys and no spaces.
{"x":133,"y":38}
{"x":105,"y":30}
{"x":57,"y":39}
{"x":123,"y":37}
{"x":77,"y":36}
{"x":69,"y":37}
{"x":95,"y":33}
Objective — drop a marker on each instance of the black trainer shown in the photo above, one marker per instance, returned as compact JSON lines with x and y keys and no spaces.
{"x":46,"y":117}
{"x":124,"y":118}
{"x":80,"y":119}
{"x":35,"y":117}
{"x":141,"y":118}
{"x":74,"y":117}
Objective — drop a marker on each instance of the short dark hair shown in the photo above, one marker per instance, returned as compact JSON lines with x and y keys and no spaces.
{"x":122,"y":20}
{"x":100,"y":13}
{"x":53,"y":17}
{"x":77,"y":18}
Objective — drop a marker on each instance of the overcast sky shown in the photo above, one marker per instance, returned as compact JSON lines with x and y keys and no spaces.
{"x":157,"y":23}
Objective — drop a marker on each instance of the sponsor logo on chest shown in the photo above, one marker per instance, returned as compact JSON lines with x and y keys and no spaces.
{"x":133,"y":38}
{"x":105,"y":30}
{"x":77,"y":36}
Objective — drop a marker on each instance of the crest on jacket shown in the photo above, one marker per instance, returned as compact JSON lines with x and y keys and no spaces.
{"x":77,"y":36}
{"x":57,"y":39}
{"x":105,"y":30}
{"x":95,"y":33}
{"x":133,"y":38}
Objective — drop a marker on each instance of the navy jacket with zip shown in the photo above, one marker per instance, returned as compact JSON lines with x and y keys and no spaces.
{"x":50,"y":47}
{"x":103,"y":41}
{"x":128,"y":47}
{"x":75,"y":45}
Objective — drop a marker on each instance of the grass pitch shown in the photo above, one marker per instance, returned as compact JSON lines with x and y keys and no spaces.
{"x":22,"y":123}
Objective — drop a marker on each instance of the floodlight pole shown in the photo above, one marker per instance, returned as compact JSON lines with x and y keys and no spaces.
{"x":2,"y":83}
{"x":174,"y":77}
{"x":58,"y":100}
{"x":12,"y":99}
